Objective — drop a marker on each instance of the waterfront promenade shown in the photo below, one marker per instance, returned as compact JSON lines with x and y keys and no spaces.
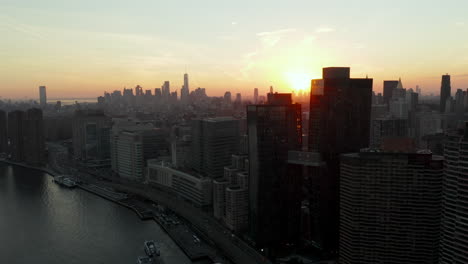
{"x":179,"y":230}
{"x":182,"y":233}
{"x":210,"y":230}
{"x":213,"y":231}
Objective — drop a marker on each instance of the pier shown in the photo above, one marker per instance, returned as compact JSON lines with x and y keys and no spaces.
{"x":65,"y":181}
{"x":178,"y":229}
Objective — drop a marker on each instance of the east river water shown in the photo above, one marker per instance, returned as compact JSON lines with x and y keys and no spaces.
{"x":41,"y":222}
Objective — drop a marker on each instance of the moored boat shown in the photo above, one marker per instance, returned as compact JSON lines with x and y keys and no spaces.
{"x":144,"y":260}
{"x":151,"y":248}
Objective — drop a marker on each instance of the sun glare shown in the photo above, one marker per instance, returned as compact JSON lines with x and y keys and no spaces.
{"x":298,"y":81}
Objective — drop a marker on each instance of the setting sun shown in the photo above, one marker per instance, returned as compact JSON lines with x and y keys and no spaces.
{"x":298,"y":81}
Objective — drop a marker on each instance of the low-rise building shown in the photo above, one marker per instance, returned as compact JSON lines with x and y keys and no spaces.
{"x":237,"y":212}
{"x":230,"y":194}
{"x":131,"y":144}
{"x":188,"y":185}
{"x":219,"y":197}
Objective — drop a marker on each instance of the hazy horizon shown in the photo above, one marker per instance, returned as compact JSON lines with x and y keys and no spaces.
{"x":81,"y":49}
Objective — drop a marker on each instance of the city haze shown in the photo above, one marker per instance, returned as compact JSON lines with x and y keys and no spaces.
{"x":81,"y":49}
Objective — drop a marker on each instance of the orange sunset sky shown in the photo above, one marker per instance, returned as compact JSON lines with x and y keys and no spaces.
{"x":83,"y":48}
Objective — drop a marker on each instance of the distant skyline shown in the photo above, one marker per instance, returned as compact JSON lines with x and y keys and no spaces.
{"x":82,"y":48}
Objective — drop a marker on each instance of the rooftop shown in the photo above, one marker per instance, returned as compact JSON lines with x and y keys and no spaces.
{"x":398,"y":144}
{"x":381,"y":150}
{"x":305,"y":158}
{"x":219,"y":119}
{"x":220,"y":180}
{"x":169,"y":165}
{"x":235,"y":188}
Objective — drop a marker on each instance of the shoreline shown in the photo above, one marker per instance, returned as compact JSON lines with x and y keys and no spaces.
{"x":193,"y":256}
{"x":27,"y":166}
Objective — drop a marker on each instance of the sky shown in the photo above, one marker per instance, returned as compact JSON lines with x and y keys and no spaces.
{"x":83,"y":48}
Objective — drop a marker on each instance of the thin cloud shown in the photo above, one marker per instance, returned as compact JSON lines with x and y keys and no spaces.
{"x":271,"y":38}
{"x":271,"y":41}
{"x":277,"y":32}
{"x":308,"y":39}
{"x":249,"y":64}
{"x":233,"y":23}
{"x":324,"y":29}
{"x":27,"y":30}
{"x":250,"y":54}
{"x":461,"y":75}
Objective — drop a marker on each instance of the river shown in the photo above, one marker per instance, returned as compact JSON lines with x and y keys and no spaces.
{"x":41,"y":222}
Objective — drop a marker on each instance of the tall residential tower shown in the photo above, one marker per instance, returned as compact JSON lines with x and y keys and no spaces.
{"x":3,"y":132}
{"x":340,"y":109}
{"x":454,"y":238}
{"x":34,"y":139}
{"x":274,"y":129}
{"x":445,"y":92}
{"x":390,"y":207}
{"x":16,"y":135}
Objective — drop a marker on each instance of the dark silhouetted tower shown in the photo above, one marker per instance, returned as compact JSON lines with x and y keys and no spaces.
{"x":166,"y":90}
{"x":138,"y":90}
{"x":3,"y":132}
{"x":388,"y":88}
{"x":273,"y":130}
{"x":214,"y":140}
{"x":186,"y":82}
{"x":339,"y":122}
{"x":256,"y":96}
{"x":238,"y":99}
{"x":157,"y":93}
{"x":445,"y":91}
{"x":16,"y":135}
{"x":42,"y":96}
{"x":185,"y":91}
{"x":227,"y":97}
{"x":91,"y":135}
{"x":128,"y":96}
{"x":34,"y":140}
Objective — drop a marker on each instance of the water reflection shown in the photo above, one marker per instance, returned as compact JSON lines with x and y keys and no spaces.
{"x":41,"y":222}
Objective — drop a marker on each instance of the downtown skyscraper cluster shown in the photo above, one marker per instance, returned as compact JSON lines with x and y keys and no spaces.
{"x":351,"y":175}
{"x":392,"y":203}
